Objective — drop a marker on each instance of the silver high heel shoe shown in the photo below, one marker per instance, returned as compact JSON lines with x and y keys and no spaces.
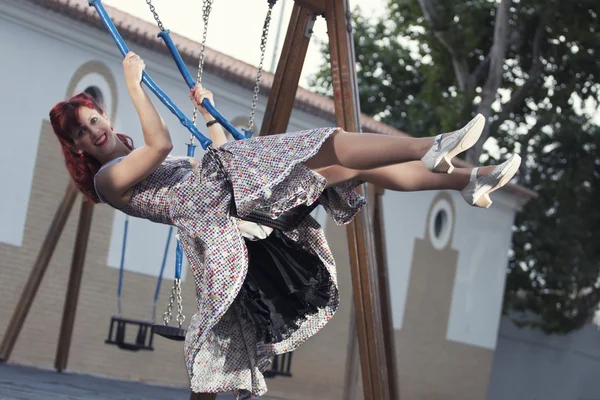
{"x":477,"y":192}
{"x":439,"y":156}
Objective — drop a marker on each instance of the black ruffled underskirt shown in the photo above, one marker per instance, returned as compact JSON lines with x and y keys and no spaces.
{"x":285,"y":284}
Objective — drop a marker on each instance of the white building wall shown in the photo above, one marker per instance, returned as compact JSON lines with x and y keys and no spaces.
{"x":482,"y":239}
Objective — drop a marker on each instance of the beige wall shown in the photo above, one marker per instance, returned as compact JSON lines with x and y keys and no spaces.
{"x":430,"y":366}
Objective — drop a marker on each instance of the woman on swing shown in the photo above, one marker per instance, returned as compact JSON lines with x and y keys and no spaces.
{"x":260,"y":291}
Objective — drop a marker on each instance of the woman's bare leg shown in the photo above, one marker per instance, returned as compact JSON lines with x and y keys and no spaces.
{"x":405,"y":177}
{"x":203,"y":396}
{"x":365,"y":151}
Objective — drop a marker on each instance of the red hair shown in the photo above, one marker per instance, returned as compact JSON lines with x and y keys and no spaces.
{"x":64,"y":118}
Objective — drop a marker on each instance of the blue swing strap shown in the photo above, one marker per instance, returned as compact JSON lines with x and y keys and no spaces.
{"x":176,"y":290}
{"x":162,"y":96}
{"x":164,"y":34}
{"x":122,"y":265}
{"x":160,"y":275}
{"x":122,"y":268}
{"x":191,"y":148}
{"x":166,"y":37}
{"x":178,"y":260}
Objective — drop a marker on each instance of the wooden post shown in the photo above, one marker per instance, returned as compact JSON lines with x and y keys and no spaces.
{"x":316,"y":6}
{"x":37,"y":272}
{"x":384,"y":280}
{"x":367,"y":300}
{"x":289,"y":68}
{"x":375,"y":358}
{"x":70,"y":307}
{"x":351,"y":373}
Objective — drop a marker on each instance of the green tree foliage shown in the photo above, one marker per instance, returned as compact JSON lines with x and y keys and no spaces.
{"x":532,"y":68}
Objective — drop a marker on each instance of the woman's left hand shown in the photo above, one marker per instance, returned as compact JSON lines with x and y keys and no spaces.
{"x":133,"y":67}
{"x":197,"y":94}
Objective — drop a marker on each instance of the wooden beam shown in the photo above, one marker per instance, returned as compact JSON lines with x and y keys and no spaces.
{"x":351,"y":374}
{"x":285,"y":85}
{"x":37,"y":272}
{"x":384,"y":288}
{"x":367,"y":300}
{"x":316,"y":6}
{"x":70,"y":307}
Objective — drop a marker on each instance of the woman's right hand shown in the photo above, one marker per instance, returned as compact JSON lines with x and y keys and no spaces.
{"x":197,"y":94}
{"x":133,"y":67}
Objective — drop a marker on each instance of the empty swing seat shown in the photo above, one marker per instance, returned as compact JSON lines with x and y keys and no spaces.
{"x":169,"y":332}
{"x":281,"y":366}
{"x":117,"y":330}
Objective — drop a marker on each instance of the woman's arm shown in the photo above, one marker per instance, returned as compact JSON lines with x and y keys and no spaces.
{"x":217,"y":135}
{"x":141,"y":162}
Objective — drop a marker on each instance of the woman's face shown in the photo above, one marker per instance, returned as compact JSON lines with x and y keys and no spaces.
{"x":95,"y":136}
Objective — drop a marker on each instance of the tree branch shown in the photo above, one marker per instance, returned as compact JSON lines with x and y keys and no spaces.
{"x":461,"y":68}
{"x":532,"y":75}
{"x":485,"y":63}
{"x":497,"y":55}
{"x":478,"y":72}
{"x":524,"y":151}
{"x":494,"y":79}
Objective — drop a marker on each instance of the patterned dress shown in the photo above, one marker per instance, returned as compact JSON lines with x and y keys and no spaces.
{"x":222,"y":350}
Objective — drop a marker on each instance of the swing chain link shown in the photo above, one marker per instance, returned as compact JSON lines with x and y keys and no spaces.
{"x":206,"y":9}
{"x":263,"y":48}
{"x":180,"y":316}
{"x":153,"y":11}
{"x":167,"y":316}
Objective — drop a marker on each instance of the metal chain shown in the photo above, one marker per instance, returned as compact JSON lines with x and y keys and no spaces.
{"x":153,"y":11}
{"x":180,"y":316}
{"x":263,"y":48}
{"x":168,"y":314}
{"x":206,"y":9}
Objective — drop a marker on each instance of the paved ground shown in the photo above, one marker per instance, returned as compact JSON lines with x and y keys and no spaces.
{"x":24,"y":383}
